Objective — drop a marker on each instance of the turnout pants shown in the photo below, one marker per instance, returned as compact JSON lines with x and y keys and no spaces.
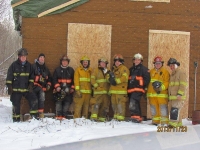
{"x":41,"y":98}
{"x":16,"y":97}
{"x":81,"y":105}
{"x":62,"y":106}
{"x":100,"y":106}
{"x":159,"y":110}
{"x":119,"y":105}
{"x":134,"y":105}
{"x":175,"y":109}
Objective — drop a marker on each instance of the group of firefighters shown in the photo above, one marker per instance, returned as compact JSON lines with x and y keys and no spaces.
{"x":97,"y":88}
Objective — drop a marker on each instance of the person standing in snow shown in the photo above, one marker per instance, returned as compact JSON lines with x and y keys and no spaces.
{"x":20,"y":78}
{"x":63,"y":81}
{"x":118,"y":79}
{"x":83,"y":89}
{"x":100,"y":100}
{"x":177,"y":93}
{"x":139,"y":79}
{"x":42,"y":82}
{"x":157,"y":92}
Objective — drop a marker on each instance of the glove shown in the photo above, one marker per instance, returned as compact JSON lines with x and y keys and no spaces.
{"x":30,"y":87}
{"x":58,"y":89}
{"x":156,"y":86}
{"x":132,"y":79}
{"x":77,"y":94}
{"x":112,"y":78}
{"x":48,"y":87}
{"x":10,"y":90}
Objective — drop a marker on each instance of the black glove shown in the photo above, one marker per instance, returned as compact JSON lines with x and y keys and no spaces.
{"x":112,"y":78}
{"x":157,"y":86}
{"x":10,"y":90}
{"x":48,"y":87}
{"x":30,"y":87}
{"x":132,"y":79}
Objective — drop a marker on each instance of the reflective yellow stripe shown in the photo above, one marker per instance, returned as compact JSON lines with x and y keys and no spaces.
{"x":93,"y":77}
{"x":102,"y":119}
{"x":183,"y":83}
{"x":100,"y":92}
{"x":101,"y":80}
{"x":164,"y":119}
{"x":33,"y":111}
{"x":157,"y":95}
{"x":20,"y":90}
{"x":8,"y":81}
{"x":156,"y":118}
{"x":163,"y":87}
{"x":85,"y":91}
{"x":153,"y":80}
{"x":177,"y":83}
{"x":16,"y":116}
{"x":21,"y":74}
{"x":180,"y":92}
{"x":117,"y":92}
{"x":84,"y":79}
{"x":120,"y":117}
{"x":118,"y":80}
{"x":93,"y":116}
{"x":126,"y":75}
{"x":175,"y":97}
{"x":95,"y":85}
{"x":31,"y":80}
{"x":77,"y":87}
{"x":175,"y":124}
{"x":115,"y":117}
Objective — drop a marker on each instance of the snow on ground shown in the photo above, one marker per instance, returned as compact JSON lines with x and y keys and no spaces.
{"x":49,"y":132}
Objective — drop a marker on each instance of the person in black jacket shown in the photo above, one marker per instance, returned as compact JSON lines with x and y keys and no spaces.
{"x":20,"y":83}
{"x":42,"y":82}
{"x":138,"y":80}
{"x":63,"y":81}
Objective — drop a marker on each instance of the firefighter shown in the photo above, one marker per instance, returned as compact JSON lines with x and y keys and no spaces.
{"x":19,"y":81}
{"x":42,"y":82}
{"x":118,"y":79}
{"x":177,"y":93}
{"x":138,"y":80}
{"x":100,"y":101}
{"x":63,"y":81}
{"x":157,"y":92}
{"x":83,"y":90}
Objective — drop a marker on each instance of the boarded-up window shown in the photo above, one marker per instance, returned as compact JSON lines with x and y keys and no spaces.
{"x":167,"y":1}
{"x":169,"y":44}
{"x":93,"y":40}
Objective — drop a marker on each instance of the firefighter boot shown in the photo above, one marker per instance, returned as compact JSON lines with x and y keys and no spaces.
{"x":41,"y":115}
{"x":136,"y":119}
{"x":34,"y":115}
{"x":16,"y":119}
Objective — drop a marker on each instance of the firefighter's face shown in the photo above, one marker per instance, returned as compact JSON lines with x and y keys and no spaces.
{"x":158,"y":65}
{"x":65,"y":63}
{"x":117,"y":63}
{"x":102,"y":64}
{"x":137,"y":61}
{"x":172,"y":67}
{"x":41,"y":59}
{"x":23,"y":58}
{"x":85,"y":63}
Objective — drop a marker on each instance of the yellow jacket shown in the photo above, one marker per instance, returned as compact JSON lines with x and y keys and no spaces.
{"x":161,"y":75}
{"x":121,"y":77}
{"x":82,"y":79}
{"x":177,"y":85}
{"x":99,"y":82}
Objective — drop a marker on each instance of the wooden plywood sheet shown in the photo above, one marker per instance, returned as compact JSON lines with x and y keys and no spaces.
{"x":93,"y":40}
{"x":168,"y":44}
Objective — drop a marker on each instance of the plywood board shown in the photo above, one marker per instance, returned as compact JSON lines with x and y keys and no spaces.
{"x":168,"y":44}
{"x":92,"y":40}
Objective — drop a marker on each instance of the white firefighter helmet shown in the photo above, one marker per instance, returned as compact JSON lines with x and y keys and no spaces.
{"x":138,"y":56}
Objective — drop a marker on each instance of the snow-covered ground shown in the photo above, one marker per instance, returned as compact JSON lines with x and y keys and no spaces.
{"x":49,"y":132}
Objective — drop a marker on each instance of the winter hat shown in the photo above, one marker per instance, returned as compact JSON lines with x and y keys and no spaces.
{"x":41,"y":54}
